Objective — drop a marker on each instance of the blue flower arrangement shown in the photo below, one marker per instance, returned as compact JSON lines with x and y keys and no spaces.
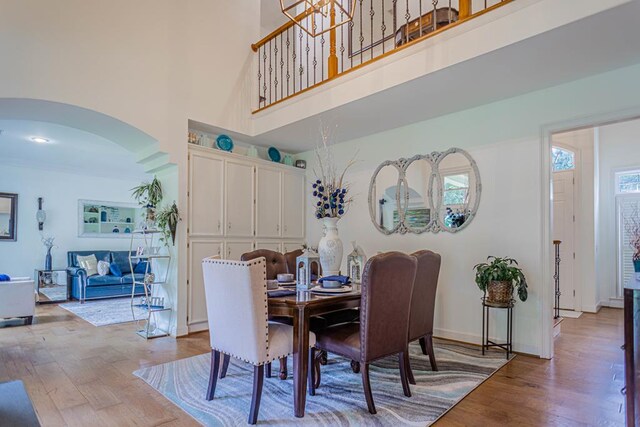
{"x":332,"y":201}
{"x":330,"y":191}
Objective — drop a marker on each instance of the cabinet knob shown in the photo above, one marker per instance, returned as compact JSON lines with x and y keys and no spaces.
{"x":229,"y":226}
{"x":218,"y":225}
{"x":278,"y":227}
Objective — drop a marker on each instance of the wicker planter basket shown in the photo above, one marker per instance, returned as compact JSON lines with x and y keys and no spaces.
{"x":499,"y":292}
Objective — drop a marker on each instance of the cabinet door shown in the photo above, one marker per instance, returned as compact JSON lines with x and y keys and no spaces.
{"x":239,"y":199}
{"x":293,"y":205}
{"x":198,"y":250}
{"x":205,"y":195}
{"x":268,"y":202}
{"x":291,"y":246}
{"x":272,"y":246}
{"x":234,"y":250}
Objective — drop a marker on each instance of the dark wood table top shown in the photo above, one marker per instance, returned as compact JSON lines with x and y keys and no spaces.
{"x":307,"y":299}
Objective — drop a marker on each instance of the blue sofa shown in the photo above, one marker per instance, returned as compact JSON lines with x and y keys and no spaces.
{"x":96,"y":286}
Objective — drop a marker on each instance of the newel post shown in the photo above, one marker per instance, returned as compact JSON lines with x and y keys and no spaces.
{"x":333,"y":57}
{"x":465,"y":9}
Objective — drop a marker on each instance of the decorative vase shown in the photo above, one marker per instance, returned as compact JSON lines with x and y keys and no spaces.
{"x":47,"y":259}
{"x":330,"y":248}
{"x":636,"y":265}
{"x":499,"y":293}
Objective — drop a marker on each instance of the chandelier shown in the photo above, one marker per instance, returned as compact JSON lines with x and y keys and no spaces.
{"x":317,"y":17}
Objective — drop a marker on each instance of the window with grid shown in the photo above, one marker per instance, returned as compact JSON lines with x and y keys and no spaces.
{"x":563,"y":159}
{"x":456,"y":189}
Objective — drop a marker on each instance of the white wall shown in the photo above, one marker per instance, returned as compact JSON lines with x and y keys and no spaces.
{"x":506,"y":138}
{"x":619,"y":149}
{"x":583,"y":143}
{"x":61,"y":192}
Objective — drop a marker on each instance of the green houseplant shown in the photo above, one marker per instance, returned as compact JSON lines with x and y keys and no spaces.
{"x":497,"y":278}
{"x":149,"y":196}
{"x":168,"y":218}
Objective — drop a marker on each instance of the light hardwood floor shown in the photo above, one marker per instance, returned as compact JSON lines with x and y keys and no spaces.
{"x":80,"y":375}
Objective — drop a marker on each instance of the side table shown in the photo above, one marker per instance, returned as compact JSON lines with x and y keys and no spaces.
{"x":486,"y":342}
{"x":51,"y":285}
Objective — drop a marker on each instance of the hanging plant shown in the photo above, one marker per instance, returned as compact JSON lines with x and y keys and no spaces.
{"x":167,"y":219}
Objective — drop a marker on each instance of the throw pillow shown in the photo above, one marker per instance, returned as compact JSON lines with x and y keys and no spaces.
{"x":103,"y":268}
{"x":89,"y":263}
{"x":115,"y":269}
{"x":141,"y":267}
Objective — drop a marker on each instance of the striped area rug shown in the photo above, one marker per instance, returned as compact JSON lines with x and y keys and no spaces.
{"x":340,"y":400}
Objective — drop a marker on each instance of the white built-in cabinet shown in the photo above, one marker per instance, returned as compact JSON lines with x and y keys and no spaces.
{"x":238,"y":204}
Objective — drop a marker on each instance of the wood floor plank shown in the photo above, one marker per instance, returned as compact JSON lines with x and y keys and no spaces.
{"x":78,"y":374}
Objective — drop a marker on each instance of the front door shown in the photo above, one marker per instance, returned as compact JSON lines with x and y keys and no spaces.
{"x":563,"y":230}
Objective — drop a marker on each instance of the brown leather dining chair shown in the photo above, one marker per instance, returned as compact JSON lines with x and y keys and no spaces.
{"x":423,"y":303}
{"x":276,"y":264}
{"x":387,"y":287}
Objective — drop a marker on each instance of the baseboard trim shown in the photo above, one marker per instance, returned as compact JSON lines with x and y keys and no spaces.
{"x":198,"y":327}
{"x":476,"y":339}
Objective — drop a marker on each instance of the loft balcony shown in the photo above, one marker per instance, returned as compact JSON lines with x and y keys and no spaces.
{"x":290,"y":61}
{"x":418,"y":70}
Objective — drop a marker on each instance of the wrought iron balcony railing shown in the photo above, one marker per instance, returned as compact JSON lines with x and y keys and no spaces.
{"x":290,"y":62}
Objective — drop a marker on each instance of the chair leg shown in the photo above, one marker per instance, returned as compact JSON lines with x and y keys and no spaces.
{"x":311,"y":374}
{"x":355,"y":367}
{"x":407,"y":363}
{"x":213,"y":374}
{"x":258,"y":379}
{"x":423,"y":345}
{"x":267,"y":370}
{"x":225,"y":365}
{"x":403,"y":373}
{"x":316,"y":366}
{"x":432,"y":356}
{"x":283,"y":368}
{"x":366,"y":384}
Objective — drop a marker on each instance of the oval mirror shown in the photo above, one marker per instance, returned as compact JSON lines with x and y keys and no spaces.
{"x":384,"y":198}
{"x":417,"y":200}
{"x":458,"y":190}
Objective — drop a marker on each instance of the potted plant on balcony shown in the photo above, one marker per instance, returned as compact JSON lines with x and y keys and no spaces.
{"x":497,"y":278}
{"x":149,"y":196}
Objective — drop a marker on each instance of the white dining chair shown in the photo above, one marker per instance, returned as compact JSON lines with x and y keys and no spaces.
{"x":237,"y":308}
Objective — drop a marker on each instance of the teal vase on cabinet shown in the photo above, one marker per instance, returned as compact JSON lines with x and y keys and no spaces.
{"x":636,"y":265}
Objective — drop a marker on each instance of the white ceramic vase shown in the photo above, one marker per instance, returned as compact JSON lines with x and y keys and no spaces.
{"x":330,"y":248}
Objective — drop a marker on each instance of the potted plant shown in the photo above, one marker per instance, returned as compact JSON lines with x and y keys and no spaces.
{"x":149,"y":196}
{"x":168,"y":222}
{"x":497,"y":278}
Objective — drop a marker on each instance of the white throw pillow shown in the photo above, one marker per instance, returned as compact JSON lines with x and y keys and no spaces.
{"x":103,"y":268}
{"x":89,"y":263}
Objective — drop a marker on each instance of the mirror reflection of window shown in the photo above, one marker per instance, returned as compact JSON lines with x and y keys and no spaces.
{"x":455,"y":198}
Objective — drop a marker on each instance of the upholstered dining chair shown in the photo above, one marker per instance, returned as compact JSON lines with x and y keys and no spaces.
{"x":387,"y":286}
{"x":423,"y":303}
{"x":236,"y":297}
{"x":276,"y":264}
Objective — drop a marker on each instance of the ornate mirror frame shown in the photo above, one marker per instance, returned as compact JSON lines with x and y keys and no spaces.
{"x":435,"y":224}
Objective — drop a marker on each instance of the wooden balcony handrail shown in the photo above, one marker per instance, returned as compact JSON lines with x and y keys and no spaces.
{"x":465,"y":15}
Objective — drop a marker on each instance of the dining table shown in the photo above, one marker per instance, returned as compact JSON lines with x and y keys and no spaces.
{"x":300,"y":308}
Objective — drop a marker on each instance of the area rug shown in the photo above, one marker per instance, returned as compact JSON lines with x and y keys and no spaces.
{"x":54,"y":293}
{"x":105,"y":312}
{"x":340,"y":400}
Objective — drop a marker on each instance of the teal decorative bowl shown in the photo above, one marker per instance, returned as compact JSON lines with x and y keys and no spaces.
{"x":274,"y":154}
{"x":224,"y":142}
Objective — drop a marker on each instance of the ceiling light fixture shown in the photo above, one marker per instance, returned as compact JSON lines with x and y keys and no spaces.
{"x":318,"y":16}
{"x":39,"y":140}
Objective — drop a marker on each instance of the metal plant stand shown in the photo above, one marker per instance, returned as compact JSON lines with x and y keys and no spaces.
{"x":153,"y":302}
{"x":486,"y":342}
{"x":556,"y":278}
